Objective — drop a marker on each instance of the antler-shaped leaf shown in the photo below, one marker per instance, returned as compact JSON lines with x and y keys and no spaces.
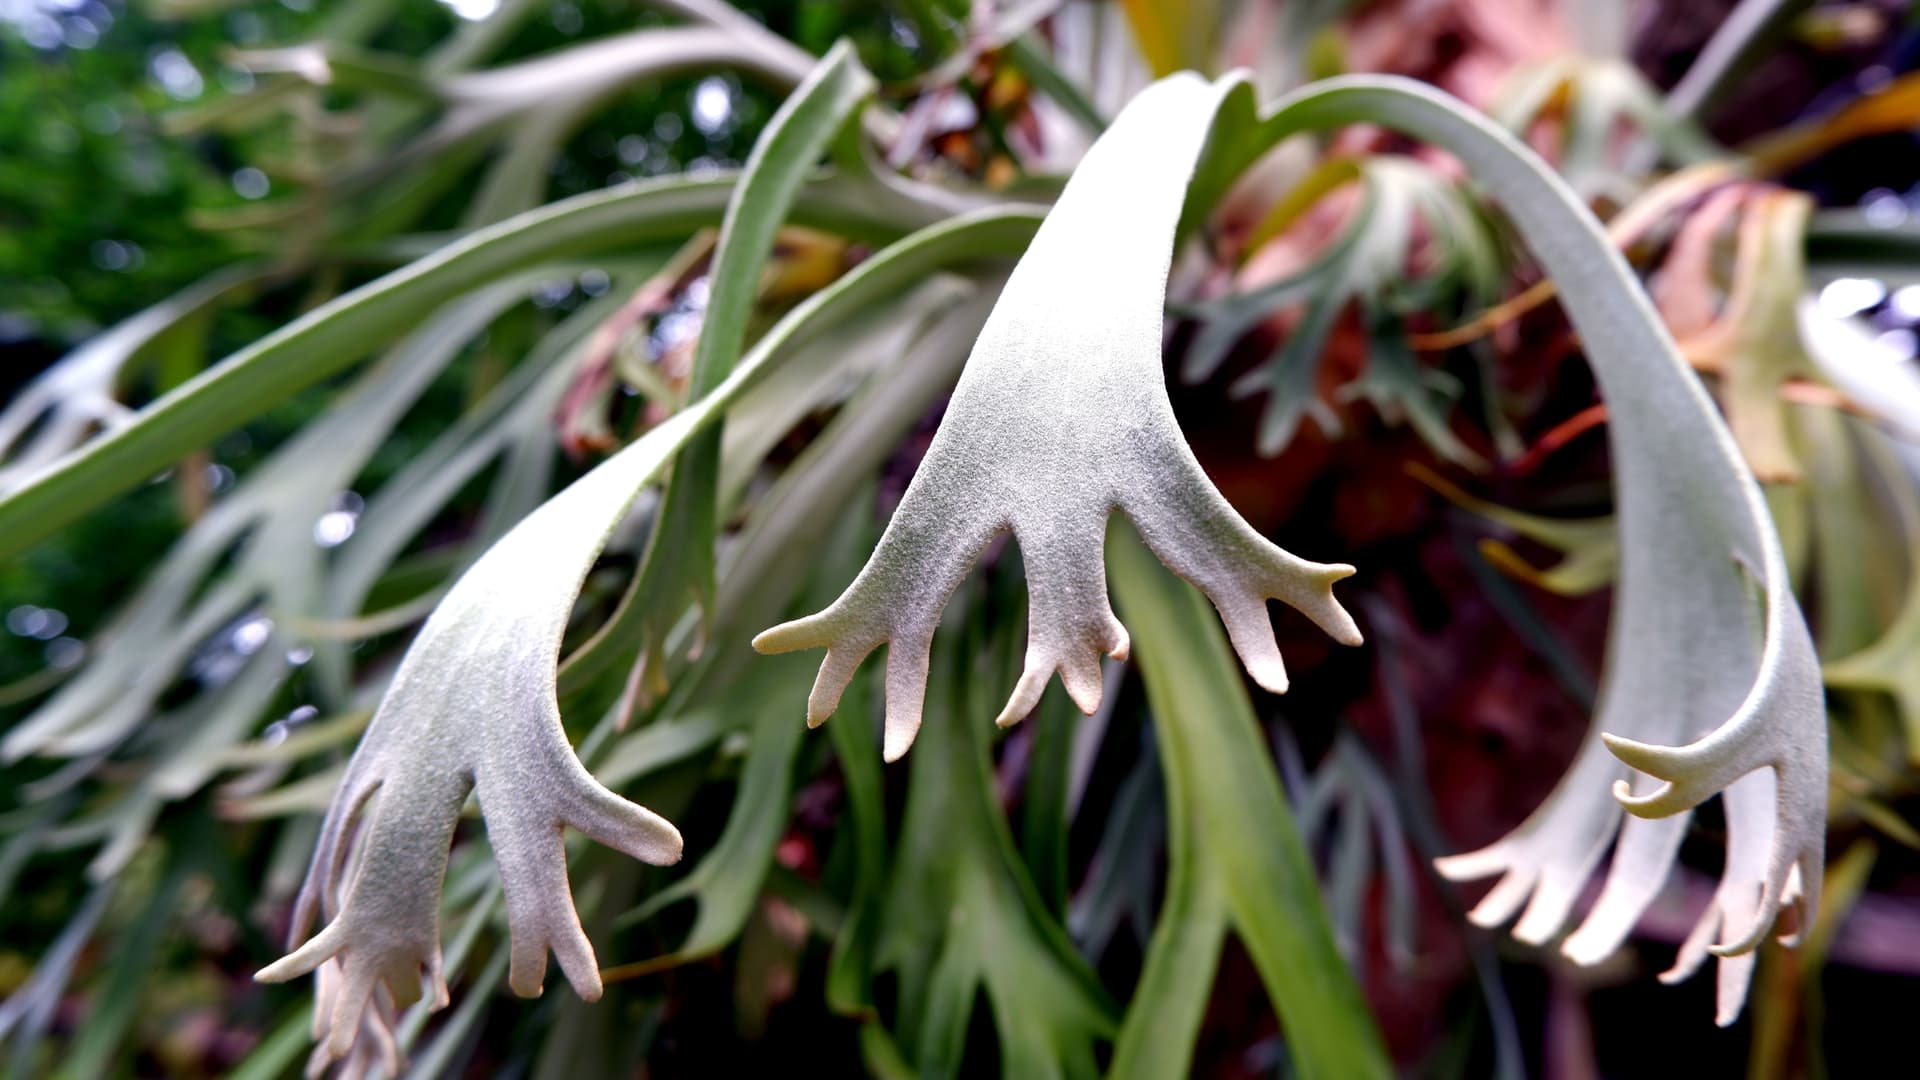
{"x":1366,"y":264}
{"x":1060,"y":418}
{"x":1705,"y":625}
{"x":474,"y":704}
{"x":487,"y":660}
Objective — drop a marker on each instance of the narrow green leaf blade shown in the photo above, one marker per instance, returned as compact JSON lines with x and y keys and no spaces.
{"x":1235,"y":850}
{"x":680,"y":559}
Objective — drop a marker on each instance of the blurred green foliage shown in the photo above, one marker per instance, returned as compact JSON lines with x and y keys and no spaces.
{"x":94,"y":198}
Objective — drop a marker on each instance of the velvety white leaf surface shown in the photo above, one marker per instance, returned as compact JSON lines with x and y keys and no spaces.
{"x":1061,"y":418}
{"x":473,"y":708}
{"x":1712,"y":684}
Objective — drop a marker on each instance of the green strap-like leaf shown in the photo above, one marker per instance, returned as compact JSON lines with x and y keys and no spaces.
{"x":340,"y":332}
{"x":1043,"y":808}
{"x":1234,"y":853}
{"x":961,"y":918}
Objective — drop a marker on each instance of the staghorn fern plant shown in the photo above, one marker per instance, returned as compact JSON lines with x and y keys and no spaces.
{"x":598,"y":649}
